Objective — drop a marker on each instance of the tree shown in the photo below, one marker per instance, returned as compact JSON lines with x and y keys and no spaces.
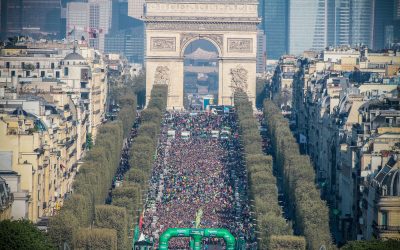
{"x":286,"y":242}
{"x":373,"y":245}
{"x":113,"y":217}
{"x":312,"y":217}
{"x":62,"y":228}
{"x":262,"y":182}
{"x":22,"y":234}
{"x":96,"y":238}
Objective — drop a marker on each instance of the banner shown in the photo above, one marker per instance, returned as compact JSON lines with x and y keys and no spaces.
{"x":199,"y":214}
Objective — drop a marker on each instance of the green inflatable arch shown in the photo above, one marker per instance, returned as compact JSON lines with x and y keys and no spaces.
{"x":197,"y":234}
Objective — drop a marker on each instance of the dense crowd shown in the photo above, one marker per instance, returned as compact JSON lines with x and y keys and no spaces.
{"x":199,"y":172}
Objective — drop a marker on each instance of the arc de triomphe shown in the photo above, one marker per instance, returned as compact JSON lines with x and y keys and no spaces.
{"x":171,"y":25}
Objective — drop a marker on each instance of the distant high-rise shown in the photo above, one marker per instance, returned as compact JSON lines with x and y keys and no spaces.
{"x":261,"y":51}
{"x":89,"y":21}
{"x":396,"y":22}
{"x":362,"y":22}
{"x":77,"y":21}
{"x":342,"y":22}
{"x":136,"y":8}
{"x":274,"y":15}
{"x":99,"y":22}
{"x":308,"y":25}
{"x":383,"y":23}
{"x":128,"y":42}
{"x":31,"y":17}
{"x":44,"y":15}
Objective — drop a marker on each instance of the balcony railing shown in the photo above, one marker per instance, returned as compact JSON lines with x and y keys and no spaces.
{"x":386,"y":228}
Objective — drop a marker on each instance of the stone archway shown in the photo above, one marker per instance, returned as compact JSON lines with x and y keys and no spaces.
{"x":171,"y":25}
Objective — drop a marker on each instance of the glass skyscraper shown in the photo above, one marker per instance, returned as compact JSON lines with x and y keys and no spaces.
{"x":383,"y":23}
{"x":42,"y":17}
{"x":362,"y":22}
{"x":275,"y":23}
{"x":308,"y":25}
{"x":342,"y":22}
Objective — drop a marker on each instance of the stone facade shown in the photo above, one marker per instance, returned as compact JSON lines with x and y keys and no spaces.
{"x":230,"y":25}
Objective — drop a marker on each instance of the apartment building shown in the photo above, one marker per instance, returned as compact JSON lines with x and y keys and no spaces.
{"x":346,"y":110}
{"x":40,"y":145}
{"x":52,"y":102}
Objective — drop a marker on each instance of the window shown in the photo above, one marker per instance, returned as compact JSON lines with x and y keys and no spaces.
{"x":57,"y":74}
{"x":66,"y":71}
{"x":7,"y":65}
{"x":28,"y":73}
{"x":52,"y":65}
{"x":38,"y":65}
{"x":384,"y":220}
{"x":12,"y":73}
{"x":23,"y":65}
{"x":42,"y":73}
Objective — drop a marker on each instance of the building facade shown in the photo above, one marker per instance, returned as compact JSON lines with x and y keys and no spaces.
{"x":308,"y":25}
{"x":349,"y":125}
{"x":52,"y":102}
{"x":275,"y":18}
{"x":31,"y":17}
{"x":362,"y":22}
{"x":89,"y":22}
{"x":136,"y":8}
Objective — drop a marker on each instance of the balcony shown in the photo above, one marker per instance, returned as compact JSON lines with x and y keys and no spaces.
{"x":382,"y":229}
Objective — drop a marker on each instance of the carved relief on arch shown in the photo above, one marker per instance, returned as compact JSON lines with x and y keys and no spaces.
{"x":239,"y":78}
{"x":218,"y":39}
{"x":241,"y":45}
{"x":161,"y":75}
{"x":162,"y":44}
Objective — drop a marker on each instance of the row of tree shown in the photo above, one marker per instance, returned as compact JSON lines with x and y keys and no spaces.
{"x":275,"y":232}
{"x":311,"y":212}
{"x":84,"y":208}
{"x":142,"y":155}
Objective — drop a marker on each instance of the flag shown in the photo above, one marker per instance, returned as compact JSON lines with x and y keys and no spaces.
{"x":141,"y":221}
{"x":71,"y":32}
{"x":199,"y":214}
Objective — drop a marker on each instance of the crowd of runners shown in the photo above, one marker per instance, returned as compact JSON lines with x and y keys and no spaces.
{"x":198,"y":171}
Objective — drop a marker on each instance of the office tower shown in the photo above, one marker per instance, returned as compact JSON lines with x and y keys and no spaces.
{"x":136,"y":8}
{"x":100,"y":14}
{"x":129,"y":42}
{"x":274,"y":15}
{"x":77,"y":21}
{"x":42,"y":16}
{"x":383,"y":23}
{"x":11,"y":17}
{"x":31,"y":17}
{"x":89,"y":22}
{"x":308,"y":25}
{"x":362,"y":22}
{"x":396,"y":21}
{"x":342,"y":22}
{"x":261,"y":51}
